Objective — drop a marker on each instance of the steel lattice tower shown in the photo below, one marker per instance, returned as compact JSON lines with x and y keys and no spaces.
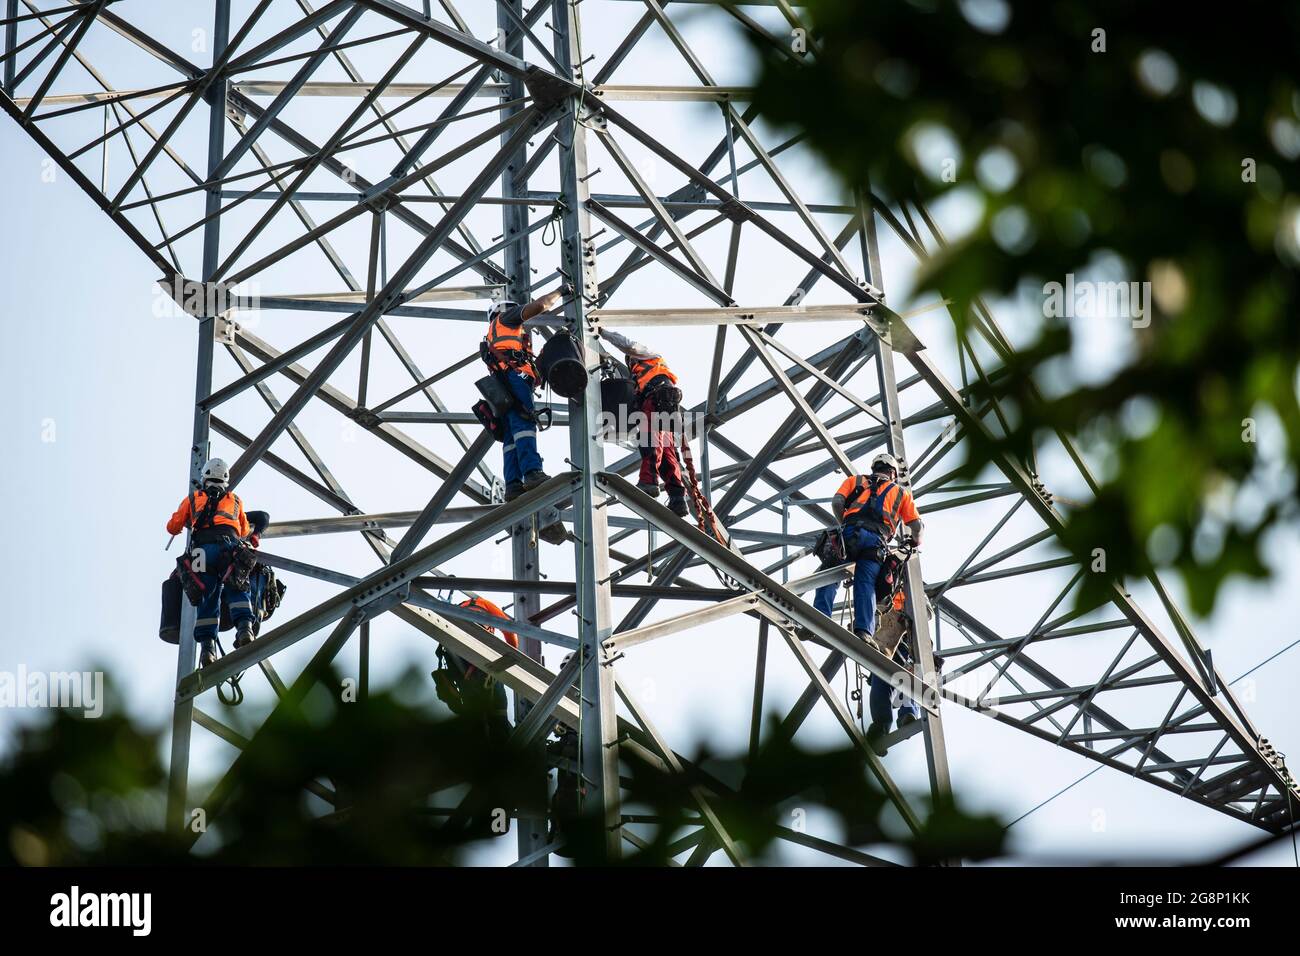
{"x":318,"y":132}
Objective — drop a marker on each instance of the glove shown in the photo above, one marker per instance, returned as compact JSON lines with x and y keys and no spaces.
{"x":254,"y":540}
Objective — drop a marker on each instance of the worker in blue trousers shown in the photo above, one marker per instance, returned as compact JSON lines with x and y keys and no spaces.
{"x":218,"y":526}
{"x":508,"y":352}
{"x":869,"y":510}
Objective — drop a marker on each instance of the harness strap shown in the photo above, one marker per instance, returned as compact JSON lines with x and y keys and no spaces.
{"x":204,"y":520}
{"x":870,"y":521}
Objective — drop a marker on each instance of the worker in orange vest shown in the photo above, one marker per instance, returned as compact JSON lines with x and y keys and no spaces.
{"x":871,"y":509}
{"x":218,"y":523}
{"x":478,"y":693}
{"x":660,"y":401}
{"x":508,"y":352}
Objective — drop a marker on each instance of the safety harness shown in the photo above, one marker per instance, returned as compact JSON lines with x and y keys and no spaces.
{"x":240,"y":564}
{"x":205,"y":520}
{"x":507,"y":348}
{"x":871,"y":513}
{"x":200,"y":520}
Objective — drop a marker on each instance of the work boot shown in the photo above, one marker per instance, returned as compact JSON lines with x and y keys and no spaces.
{"x":207,"y":653}
{"x":514,"y":489}
{"x":906,"y":717}
{"x":243,"y":634}
{"x":535,"y":478}
{"x":866,"y":637}
{"x":677,"y":505}
{"x":876,"y":739}
{"x":651,"y":490}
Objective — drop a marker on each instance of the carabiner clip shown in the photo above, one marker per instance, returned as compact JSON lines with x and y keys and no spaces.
{"x":236,"y":692}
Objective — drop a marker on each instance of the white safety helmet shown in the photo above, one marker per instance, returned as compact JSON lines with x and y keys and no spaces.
{"x":216,"y":472}
{"x":888,"y":460}
{"x":496,"y":308}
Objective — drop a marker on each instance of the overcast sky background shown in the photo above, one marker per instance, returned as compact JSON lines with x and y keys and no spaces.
{"x":89,"y":362}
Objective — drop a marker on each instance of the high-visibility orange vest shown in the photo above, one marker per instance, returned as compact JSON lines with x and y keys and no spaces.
{"x":512,"y":347}
{"x":230,"y":513}
{"x":646,"y":371}
{"x":882,"y":499}
{"x":486,"y":606}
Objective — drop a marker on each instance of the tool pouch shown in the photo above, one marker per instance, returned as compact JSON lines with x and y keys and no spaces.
{"x":489,"y":419}
{"x":665,"y":398}
{"x":829,"y":547}
{"x":241,"y":560}
{"x":189,"y":579}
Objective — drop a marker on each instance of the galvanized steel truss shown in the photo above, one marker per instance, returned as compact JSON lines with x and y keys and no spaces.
{"x":529,"y":106}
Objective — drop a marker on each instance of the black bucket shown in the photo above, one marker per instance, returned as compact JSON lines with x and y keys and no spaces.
{"x":618,"y":396}
{"x":169,"y":627}
{"x":618,"y":403}
{"x":562,"y":367}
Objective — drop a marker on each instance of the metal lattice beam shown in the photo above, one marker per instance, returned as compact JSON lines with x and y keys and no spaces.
{"x":315,"y":177}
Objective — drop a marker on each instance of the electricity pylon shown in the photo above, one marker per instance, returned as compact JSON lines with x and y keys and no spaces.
{"x":329,"y":170}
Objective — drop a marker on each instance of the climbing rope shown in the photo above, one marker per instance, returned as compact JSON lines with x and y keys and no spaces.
{"x":552,"y":227}
{"x":236,"y":692}
{"x":856,"y":695}
{"x":705,"y":519}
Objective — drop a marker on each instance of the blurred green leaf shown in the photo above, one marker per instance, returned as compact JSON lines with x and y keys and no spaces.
{"x":1101,"y":131}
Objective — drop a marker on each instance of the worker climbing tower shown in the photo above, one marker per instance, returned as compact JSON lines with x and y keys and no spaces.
{"x":333,"y":191}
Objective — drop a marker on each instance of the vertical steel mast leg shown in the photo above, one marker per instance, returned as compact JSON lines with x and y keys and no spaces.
{"x":183,"y":712}
{"x":526,"y":553}
{"x":599,"y":728}
{"x":936,"y":752}
{"x":11,"y":40}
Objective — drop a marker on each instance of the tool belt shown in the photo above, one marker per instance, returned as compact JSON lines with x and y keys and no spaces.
{"x":869,"y":523}
{"x":217,"y":534}
{"x":503,"y":360}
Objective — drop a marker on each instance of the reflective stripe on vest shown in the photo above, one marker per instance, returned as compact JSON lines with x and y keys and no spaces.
{"x":647,"y":370}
